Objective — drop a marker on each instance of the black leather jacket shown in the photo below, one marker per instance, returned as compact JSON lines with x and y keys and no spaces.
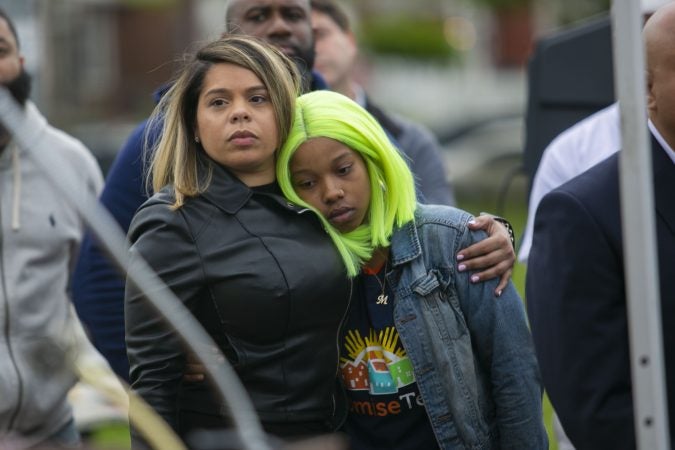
{"x":265,"y":281}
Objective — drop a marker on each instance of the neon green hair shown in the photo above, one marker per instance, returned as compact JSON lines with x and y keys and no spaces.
{"x":392,"y":203}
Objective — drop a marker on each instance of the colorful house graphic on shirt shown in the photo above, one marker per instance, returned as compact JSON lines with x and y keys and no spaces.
{"x":377,"y":363}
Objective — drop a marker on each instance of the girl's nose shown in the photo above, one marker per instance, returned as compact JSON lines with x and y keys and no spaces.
{"x":334,"y":193}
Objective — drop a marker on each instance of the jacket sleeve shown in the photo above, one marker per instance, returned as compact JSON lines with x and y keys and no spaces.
{"x":576,"y":305}
{"x":97,"y":284}
{"x":550,"y":174}
{"x":504,"y":349}
{"x":423,"y":153}
{"x":161,"y":237}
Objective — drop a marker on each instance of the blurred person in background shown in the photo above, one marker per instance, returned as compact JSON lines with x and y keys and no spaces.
{"x":40,"y":234}
{"x":576,"y":150}
{"x":576,"y":295}
{"x":336,"y":59}
{"x":98,"y":287}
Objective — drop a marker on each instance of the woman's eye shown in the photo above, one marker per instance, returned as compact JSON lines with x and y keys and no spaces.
{"x":258,"y":99}
{"x":217,"y":102}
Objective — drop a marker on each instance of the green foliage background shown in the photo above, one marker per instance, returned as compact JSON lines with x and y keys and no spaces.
{"x":412,"y":37}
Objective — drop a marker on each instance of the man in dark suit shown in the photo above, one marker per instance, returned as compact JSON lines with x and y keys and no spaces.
{"x":575,"y":281}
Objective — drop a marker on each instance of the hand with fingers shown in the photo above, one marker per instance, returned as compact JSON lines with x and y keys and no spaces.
{"x":195,"y":371}
{"x":492,"y":257}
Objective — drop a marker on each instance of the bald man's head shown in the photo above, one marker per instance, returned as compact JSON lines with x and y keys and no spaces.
{"x":659,"y":39}
{"x":658,"y":31}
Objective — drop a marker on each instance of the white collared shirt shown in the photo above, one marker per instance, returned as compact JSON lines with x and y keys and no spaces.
{"x":667,"y":148}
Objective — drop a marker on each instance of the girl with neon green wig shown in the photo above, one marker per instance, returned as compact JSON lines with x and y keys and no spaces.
{"x":418,"y":326}
{"x":392,"y":204}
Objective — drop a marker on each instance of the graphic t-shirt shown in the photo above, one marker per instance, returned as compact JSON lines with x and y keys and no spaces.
{"x":385,"y":407}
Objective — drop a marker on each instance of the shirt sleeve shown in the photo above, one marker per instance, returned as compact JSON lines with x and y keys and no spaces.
{"x":504,"y":349}
{"x":423,"y":152}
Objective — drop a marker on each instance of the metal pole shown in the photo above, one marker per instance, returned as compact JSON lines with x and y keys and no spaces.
{"x":639,"y":231}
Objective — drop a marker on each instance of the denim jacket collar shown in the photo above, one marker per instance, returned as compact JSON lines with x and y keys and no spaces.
{"x":405,"y":244}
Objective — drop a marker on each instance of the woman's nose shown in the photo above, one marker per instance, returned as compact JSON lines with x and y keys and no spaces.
{"x":240,"y":113}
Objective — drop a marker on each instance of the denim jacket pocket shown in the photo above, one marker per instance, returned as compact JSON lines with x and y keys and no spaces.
{"x":439,"y":301}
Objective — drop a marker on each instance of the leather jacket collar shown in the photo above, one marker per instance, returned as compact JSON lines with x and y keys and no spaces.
{"x":225,"y":190}
{"x":228,"y":193}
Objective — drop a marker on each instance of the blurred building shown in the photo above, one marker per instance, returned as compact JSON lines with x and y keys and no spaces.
{"x":95,"y":63}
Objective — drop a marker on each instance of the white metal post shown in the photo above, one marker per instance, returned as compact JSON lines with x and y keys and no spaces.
{"x":639,"y":231}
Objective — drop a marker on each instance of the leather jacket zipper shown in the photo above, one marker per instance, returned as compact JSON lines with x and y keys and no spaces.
{"x":10,"y":352}
{"x":337,"y":370}
{"x":334,"y":400}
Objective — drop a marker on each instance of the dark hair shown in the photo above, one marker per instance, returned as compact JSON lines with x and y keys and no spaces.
{"x":10,"y":24}
{"x":332,"y":10}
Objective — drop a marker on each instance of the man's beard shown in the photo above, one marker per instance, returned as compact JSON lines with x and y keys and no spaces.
{"x":304,"y":61}
{"x":19,"y":87}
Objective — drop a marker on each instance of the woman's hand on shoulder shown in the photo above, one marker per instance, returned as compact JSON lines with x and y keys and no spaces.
{"x":492,"y":257}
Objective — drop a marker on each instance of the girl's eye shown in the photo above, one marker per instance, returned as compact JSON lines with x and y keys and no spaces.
{"x":304,"y":184}
{"x":258,"y":99}
{"x":344,"y":170}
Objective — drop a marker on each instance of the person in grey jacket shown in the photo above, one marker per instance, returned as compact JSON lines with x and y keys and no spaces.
{"x":429,"y":359}
{"x":39,"y":238}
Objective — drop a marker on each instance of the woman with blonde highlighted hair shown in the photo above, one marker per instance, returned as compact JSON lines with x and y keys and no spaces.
{"x":429,"y":359}
{"x":257,"y":272}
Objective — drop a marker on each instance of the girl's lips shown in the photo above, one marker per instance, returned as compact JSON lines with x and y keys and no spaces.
{"x":341,"y":216}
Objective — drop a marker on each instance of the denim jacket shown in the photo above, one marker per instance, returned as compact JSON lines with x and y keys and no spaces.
{"x":471,"y":352}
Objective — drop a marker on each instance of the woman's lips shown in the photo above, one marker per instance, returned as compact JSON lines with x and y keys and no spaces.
{"x":243,"y":138}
